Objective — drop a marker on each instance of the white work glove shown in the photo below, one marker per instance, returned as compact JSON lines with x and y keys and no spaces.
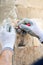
{"x":32,"y":29}
{"x":7,"y":36}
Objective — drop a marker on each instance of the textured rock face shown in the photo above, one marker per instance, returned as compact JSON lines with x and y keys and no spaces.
{"x":27,"y":55}
{"x":32,"y":51}
{"x":5,"y":8}
{"x":31,"y":9}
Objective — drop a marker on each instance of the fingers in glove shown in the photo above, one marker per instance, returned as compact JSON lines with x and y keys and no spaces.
{"x":7,"y":25}
{"x":28,"y":29}
{"x":25,"y":21}
{"x":25,"y":27}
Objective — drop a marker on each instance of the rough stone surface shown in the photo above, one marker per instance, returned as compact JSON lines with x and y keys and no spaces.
{"x":32,"y":51}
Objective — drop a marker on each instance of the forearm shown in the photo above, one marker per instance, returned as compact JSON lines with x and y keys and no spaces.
{"x":6,"y":56}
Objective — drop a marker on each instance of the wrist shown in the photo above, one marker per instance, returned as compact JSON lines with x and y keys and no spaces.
{"x":41,"y":36}
{"x":7,"y":46}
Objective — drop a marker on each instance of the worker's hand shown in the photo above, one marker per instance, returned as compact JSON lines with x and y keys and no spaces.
{"x":31,"y":27}
{"x":7,"y":36}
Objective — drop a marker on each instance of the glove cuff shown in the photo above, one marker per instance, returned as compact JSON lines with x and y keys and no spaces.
{"x":41,"y":37}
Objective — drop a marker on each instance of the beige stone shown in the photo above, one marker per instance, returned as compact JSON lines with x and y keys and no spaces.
{"x":32,"y":51}
{"x":30,"y":3}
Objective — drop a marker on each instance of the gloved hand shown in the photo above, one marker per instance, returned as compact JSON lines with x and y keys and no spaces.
{"x":31,"y":27}
{"x":7,"y":35}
